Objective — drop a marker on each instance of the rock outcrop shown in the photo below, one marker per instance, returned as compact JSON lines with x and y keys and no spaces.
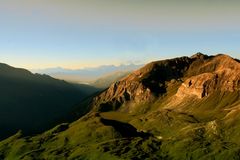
{"x":225,"y":77}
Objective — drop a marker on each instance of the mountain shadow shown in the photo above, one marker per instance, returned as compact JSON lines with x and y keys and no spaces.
{"x":33,"y":102}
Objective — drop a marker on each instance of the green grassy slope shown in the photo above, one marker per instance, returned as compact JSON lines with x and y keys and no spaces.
{"x":88,"y":138}
{"x":158,"y":134}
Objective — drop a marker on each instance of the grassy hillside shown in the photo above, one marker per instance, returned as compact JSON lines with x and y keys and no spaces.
{"x":159,"y":134}
{"x":91,"y":137}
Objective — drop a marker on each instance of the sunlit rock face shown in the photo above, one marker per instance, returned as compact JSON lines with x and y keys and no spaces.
{"x":225,"y":77}
{"x":199,"y":86}
{"x":143,"y":85}
{"x":122,"y":92}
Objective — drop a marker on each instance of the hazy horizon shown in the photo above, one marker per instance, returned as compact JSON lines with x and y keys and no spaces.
{"x":38,"y":34}
{"x":35,"y":70}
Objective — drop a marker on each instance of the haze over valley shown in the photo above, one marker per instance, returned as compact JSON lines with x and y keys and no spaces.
{"x":90,"y":75}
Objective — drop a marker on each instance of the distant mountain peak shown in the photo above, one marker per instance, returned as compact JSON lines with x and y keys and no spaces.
{"x":199,"y":55}
{"x":86,"y":75}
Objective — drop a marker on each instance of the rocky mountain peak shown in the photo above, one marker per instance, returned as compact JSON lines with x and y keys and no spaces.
{"x":143,"y":85}
{"x":199,"y":55}
{"x":200,"y":75}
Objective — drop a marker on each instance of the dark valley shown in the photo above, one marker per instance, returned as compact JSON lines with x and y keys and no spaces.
{"x":33,"y":102}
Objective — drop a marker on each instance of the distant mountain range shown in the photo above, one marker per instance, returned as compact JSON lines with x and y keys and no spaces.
{"x":107,"y":80}
{"x":175,"y":109}
{"x":34,"y":102}
{"x":87,"y":75}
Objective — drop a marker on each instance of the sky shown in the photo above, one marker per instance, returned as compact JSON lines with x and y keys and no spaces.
{"x":37,"y":34}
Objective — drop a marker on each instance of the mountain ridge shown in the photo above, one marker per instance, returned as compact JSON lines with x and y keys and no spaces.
{"x":157,"y":112}
{"x":145,"y":87}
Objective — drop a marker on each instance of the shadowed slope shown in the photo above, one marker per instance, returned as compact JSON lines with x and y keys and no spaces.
{"x":33,"y":102}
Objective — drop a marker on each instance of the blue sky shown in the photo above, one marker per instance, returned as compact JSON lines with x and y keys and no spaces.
{"x":79,"y":33}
